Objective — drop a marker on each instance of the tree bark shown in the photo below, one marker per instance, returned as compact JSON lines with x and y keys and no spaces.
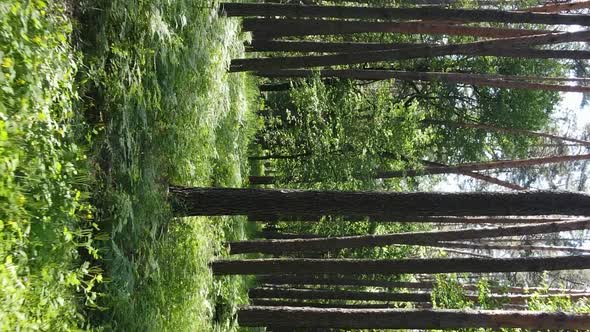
{"x":341,"y":281}
{"x":259,"y":45}
{"x":524,"y":290}
{"x":277,"y":266}
{"x":319,"y":294}
{"x":287,"y":303}
{"x":267,"y":28}
{"x":433,"y":238}
{"x":399,"y":54}
{"x":507,"y":82}
{"x":386,"y":205}
{"x":430,"y":14}
{"x":409,"y":318}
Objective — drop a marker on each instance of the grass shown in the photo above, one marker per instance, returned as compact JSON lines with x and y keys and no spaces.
{"x":45,"y":221}
{"x":171,"y":114}
{"x":157,"y":107}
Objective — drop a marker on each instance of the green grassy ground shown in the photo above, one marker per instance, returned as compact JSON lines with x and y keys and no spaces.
{"x":156,"y":108}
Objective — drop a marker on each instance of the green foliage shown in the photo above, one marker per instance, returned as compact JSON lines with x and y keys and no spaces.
{"x":46,"y":222}
{"x":158,"y":85}
{"x":449,"y":294}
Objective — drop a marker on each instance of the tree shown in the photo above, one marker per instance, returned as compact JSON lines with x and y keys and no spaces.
{"x":267,"y":28}
{"x":433,"y":238}
{"x":254,"y":64}
{"x":271,"y":202}
{"x":339,"y":281}
{"x":431,"y":14}
{"x":277,"y":266}
{"x":287,"y":303}
{"x":323,"y":294}
{"x":265,"y":45}
{"x":507,"y":247}
{"x":507,"y":82}
{"x":409,"y":318}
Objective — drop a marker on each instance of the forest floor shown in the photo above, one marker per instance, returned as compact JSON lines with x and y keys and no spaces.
{"x":150,"y":103}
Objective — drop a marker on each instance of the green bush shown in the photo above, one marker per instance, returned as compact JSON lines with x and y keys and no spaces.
{"x":45,"y":221}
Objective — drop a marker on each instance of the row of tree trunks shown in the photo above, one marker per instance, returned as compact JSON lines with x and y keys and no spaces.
{"x":432,"y":238}
{"x":256,"y":64}
{"x":506,"y":82}
{"x":408,"y":318}
{"x":385,"y":205}
{"x":268,"y":28}
{"x":279,"y":266}
{"x":322,"y":294}
{"x":455,"y":169}
{"x":261,"y":45}
{"x":341,"y":281}
{"x":431,"y":14}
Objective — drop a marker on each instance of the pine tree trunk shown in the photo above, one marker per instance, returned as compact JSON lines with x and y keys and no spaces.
{"x":409,"y":318}
{"x":287,"y":303}
{"x":391,"y":55}
{"x":523,"y":290}
{"x":431,"y":14}
{"x":341,"y":281}
{"x":507,"y":82}
{"x":422,"y":219}
{"x":416,"y":238}
{"x":267,"y":28}
{"x":387,"y":205}
{"x":320,"y":294}
{"x":278,"y":266}
{"x":260,"y":45}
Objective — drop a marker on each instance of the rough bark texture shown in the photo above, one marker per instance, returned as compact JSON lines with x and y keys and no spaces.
{"x":279,"y":202}
{"x":399,"y":54}
{"x":341,"y":281}
{"x":319,"y":294}
{"x":508,"y":82}
{"x":409,"y":319}
{"x":415,"y":238}
{"x":277,"y":266}
{"x":259,"y":45}
{"x":431,"y":14}
{"x":267,"y":28}
{"x":287,"y":303}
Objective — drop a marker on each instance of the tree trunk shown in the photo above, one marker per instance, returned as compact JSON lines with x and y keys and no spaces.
{"x":341,"y":281}
{"x":416,"y":238}
{"x":480,"y":246}
{"x":278,"y":235}
{"x":507,"y":82}
{"x":409,"y":318}
{"x":259,"y":45}
{"x":524,"y":290}
{"x":277,"y":266}
{"x":399,"y":54}
{"x":267,"y":28}
{"x":287,"y":303}
{"x":387,"y":205}
{"x":320,"y":294}
{"x":430,"y":14}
